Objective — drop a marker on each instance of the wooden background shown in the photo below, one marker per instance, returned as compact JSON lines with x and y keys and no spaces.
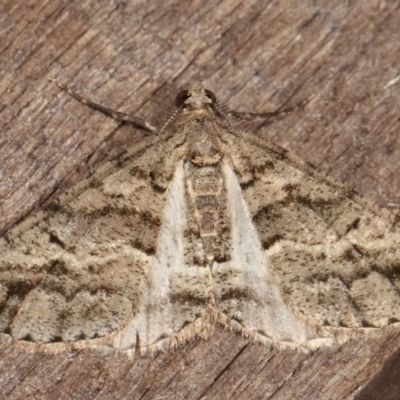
{"x":256,"y":55}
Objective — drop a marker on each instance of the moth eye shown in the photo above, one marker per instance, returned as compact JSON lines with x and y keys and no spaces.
{"x":181,"y":97}
{"x":210,"y":95}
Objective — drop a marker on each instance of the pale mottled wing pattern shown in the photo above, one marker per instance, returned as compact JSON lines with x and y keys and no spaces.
{"x":248,"y":292}
{"x":88,"y":266}
{"x":335,"y":258}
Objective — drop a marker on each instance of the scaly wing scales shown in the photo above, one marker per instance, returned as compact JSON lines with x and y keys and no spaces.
{"x":334,"y":256}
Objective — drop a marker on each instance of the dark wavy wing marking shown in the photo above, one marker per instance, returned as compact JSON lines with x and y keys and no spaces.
{"x":336,"y":258}
{"x":78,"y":269}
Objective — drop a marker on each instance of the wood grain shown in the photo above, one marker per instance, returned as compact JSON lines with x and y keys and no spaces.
{"x":256,"y":56}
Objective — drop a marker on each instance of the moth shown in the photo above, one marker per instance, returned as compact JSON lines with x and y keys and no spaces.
{"x":200,"y":224}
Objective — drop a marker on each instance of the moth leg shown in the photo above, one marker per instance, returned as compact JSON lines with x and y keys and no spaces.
{"x":279,"y":113}
{"x":119,"y":116}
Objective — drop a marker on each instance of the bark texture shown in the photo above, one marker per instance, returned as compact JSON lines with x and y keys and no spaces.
{"x":256,"y":56}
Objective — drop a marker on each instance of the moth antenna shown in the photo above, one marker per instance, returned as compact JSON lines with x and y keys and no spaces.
{"x":232,"y":118}
{"x":279,"y":113}
{"x":170,"y":117}
{"x":223,"y":109}
{"x":118,"y":116}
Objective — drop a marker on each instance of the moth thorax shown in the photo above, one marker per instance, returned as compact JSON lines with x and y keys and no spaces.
{"x":205,"y":153}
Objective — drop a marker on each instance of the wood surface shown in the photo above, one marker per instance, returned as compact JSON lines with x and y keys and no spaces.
{"x":256,"y":56}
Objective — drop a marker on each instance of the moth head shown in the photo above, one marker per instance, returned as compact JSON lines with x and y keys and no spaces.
{"x":195,"y":98}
